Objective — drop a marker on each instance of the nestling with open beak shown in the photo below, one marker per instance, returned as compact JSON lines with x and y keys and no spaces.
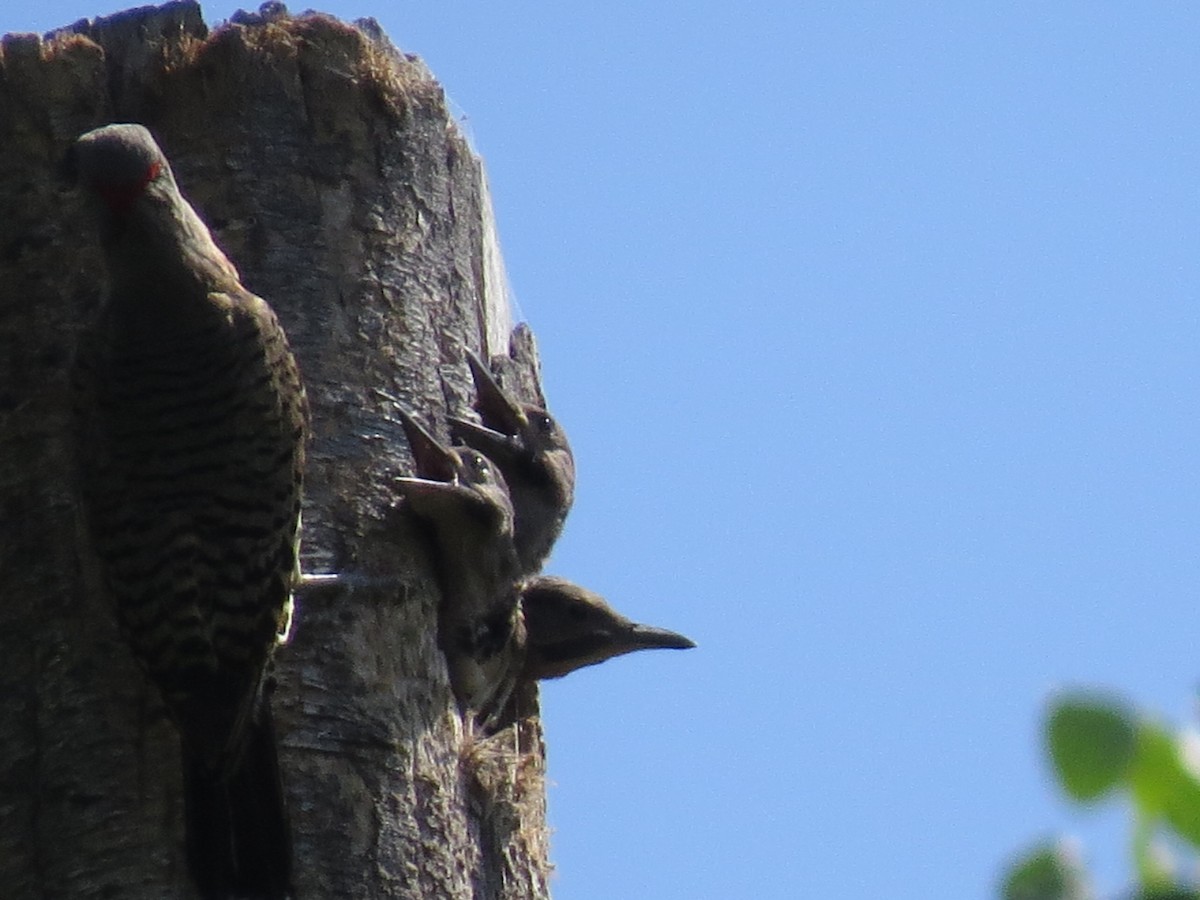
{"x":531,"y":450}
{"x":464,"y":499}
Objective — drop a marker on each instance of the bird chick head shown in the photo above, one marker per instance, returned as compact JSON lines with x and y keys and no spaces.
{"x":517,"y":433}
{"x":449,"y":480}
{"x":569,"y":627}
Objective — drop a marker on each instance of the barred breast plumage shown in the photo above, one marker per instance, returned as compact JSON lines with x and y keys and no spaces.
{"x":191,"y":422}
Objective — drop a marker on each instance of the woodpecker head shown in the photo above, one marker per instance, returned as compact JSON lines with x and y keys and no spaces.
{"x":121,"y":165}
{"x":149,"y":231}
{"x":569,"y":627}
{"x":517,"y":435}
{"x":532,"y":450}
{"x":453,"y":481}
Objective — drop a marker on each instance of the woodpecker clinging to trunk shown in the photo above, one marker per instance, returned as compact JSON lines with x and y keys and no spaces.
{"x":568,"y":627}
{"x":191,"y":423}
{"x":532,"y":451}
{"x":463,"y":497}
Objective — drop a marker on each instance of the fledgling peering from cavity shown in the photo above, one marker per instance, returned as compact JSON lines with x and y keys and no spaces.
{"x":531,"y":450}
{"x":464,"y":499}
{"x":568,"y":627}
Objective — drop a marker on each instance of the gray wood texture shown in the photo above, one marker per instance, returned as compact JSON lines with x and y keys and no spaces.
{"x":331,"y":174}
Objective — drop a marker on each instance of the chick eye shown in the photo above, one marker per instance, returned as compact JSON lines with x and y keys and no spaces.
{"x":545,"y":423}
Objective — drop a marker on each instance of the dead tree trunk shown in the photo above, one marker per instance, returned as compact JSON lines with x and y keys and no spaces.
{"x":330,"y":173}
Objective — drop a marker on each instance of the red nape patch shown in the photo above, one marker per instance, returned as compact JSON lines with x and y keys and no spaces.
{"x":120,"y":196}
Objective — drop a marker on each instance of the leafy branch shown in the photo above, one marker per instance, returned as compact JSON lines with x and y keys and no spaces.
{"x":1100,"y":748}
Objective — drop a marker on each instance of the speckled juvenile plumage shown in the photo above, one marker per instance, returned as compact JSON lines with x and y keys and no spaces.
{"x":191,"y":427}
{"x":464,"y":498}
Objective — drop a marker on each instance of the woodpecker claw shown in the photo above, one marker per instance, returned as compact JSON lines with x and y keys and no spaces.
{"x":318,"y":580}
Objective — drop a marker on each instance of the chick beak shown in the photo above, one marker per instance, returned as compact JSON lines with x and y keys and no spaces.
{"x":648,"y":637}
{"x":498,"y":411}
{"x":436,"y":466}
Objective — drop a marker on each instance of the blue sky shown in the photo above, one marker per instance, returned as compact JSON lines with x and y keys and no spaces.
{"x":875,"y":331}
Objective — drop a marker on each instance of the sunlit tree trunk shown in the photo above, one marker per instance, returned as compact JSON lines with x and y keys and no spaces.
{"x":327,"y":167}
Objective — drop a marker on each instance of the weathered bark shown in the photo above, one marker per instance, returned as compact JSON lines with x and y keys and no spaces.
{"x":330,"y":173}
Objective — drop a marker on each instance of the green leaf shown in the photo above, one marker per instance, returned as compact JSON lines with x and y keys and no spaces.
{"x":1050,"y":871}
{"x":1092,"y":742}
{"x":1155,"y":868}
{"x":1154,"y":770}
{"x":1163,"y":785}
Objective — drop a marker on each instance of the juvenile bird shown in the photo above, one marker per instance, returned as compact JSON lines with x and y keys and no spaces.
{"x":568,"y":627}
{"x":531,"y":450}
{"x":465,"y":500}
{"x":191,"y":422}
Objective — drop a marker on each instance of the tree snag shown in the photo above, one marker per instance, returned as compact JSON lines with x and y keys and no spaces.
{"x":328,"y":170}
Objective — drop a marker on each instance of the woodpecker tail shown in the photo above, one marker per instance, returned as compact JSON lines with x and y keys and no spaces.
{"x":239,"y":844}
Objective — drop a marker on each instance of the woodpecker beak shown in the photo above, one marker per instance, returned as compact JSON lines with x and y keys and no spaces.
{"x":495,"y":407}
{"x":505,"y":432}
{"x":432,"y":460}
{"x":437,"y":468}
{"x":490,"y":443}
{"x":439,"y":486}
{"x":607,"y":643}
{"x":647,"y":637}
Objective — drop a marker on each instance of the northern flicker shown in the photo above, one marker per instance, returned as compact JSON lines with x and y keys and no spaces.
{"x":531,"y":450}
{"x":191,"y":424}
{"x":463,"y":497}
{"x":568,"y":627}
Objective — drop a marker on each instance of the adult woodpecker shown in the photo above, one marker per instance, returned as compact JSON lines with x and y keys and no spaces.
{"x":531,"y":450}
{"x":568,"y":627}
{"x":191,"y":424}
{"x":464,"y":499}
